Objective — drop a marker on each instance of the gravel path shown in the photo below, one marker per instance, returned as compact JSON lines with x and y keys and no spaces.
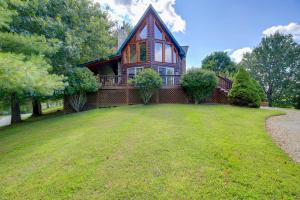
{"x":285,"y":130}
{"x":5,"y":120}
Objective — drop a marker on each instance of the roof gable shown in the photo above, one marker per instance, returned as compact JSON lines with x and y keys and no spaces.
{"x":163,"y":25}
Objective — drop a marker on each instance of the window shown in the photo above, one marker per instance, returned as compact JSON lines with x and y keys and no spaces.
{"x":143,"y":33}
{"x":168,"y":53}
{"x":132,"y":71}
{"x":157,"y":33}
{"x":167,"y":75}
{"x":143,"y":52}
{"x":132,"y":53}
{"x":174,"y":56}
{"x":158,"y":52}
{"x":125,"y":56}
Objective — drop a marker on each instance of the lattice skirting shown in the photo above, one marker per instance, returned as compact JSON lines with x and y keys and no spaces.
{"x":126,"y":96}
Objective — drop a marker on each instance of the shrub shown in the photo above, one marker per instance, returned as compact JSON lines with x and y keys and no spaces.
{"x":259,"y":89}
{"x":81,"y":81}
{"x":244,"y":92}
{"x":147,"y":81}
{"x":199,"y":83}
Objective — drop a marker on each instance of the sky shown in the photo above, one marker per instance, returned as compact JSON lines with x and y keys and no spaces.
{"x":234,"y":26}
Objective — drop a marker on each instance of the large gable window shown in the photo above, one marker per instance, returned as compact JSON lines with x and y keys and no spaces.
{"x":157,"y":33}
{"x":168,"y":53}
{"x":174,"y":56}
{"x":158,"y":52}
{"x":143,"y":33}
{"x":132,"y":53}
{"x":143,"y":51}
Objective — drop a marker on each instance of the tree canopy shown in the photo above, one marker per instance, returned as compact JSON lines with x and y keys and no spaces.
{"x":275,"y":63}
{"x":83,"y":30}
{"x":220,"y":63}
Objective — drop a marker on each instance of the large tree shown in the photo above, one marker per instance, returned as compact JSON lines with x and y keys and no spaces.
{"x":275,"y":63}
{"x":220,"y":63}
{"x":23,"y":71}
{"x":82,"y":28}
{"x":20,"y":76}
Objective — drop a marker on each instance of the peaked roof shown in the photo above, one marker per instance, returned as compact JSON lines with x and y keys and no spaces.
{"x":134,"y":30}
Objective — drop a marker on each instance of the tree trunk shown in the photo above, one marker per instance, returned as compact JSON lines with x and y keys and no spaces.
{"x":15,"y":109}
{"x":36,"y":107}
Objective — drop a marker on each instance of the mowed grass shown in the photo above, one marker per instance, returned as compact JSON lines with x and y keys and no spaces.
{"x":147,"y":152}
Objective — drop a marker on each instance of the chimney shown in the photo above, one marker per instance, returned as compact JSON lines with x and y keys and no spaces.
{"x":122,"y":35}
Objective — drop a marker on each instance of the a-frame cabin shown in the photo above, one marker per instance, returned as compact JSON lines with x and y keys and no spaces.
{"x":149,"y":45}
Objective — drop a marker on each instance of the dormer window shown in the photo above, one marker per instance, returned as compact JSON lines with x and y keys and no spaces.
{"x":157,"y":33}
{"x":143,"y":33}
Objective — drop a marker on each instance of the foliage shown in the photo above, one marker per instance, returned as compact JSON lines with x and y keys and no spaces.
{"x":199,"y":152}
{"x":24,"y":76}
{"x":220,"y":63}
{"x":275,"y":63}
{"x":81,"y":80}
{"x":82,"y":28}
{"x":199,"y":83}
{"x":243,"y":91}
{"x":28,"y":45}
{"x":21,"y":77}
{"x":147,"y":81}
{"x":259,"y":89}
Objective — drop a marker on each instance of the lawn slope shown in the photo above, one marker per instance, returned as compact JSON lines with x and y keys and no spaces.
{"x":147,"y":152}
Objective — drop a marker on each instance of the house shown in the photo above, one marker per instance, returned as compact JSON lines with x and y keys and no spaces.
{"x":149,"y":45}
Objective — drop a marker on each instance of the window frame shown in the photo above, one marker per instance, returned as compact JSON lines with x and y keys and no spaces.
{"x":162,"y":51}
{"x":168,"y":79}
{"x":135,"y":70}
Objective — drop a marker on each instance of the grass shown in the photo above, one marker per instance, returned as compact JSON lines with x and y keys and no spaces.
{"x":147,"y":152}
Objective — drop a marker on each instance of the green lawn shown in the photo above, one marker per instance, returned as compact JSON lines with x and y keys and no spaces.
{"x":147,"y":152}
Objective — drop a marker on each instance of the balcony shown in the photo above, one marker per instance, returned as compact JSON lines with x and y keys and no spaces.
{"x":114,"y":81}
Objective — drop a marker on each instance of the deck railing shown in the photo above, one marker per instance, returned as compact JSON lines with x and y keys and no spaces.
{"x":122,"y":80}
{"x":168,"y":80}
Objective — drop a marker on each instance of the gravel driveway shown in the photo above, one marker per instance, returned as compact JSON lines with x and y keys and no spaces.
{"x":285,"y":130}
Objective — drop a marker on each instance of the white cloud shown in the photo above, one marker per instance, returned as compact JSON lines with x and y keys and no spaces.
{"x":237,"y":55}
{"x":291,"y":28}
{"x":132,"y":10}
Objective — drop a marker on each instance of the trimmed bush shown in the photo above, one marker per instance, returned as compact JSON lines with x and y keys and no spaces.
{"x":81,"y":81}
{"x":199,"y":83}
{"x":147,"y":81}
{"x":244,"y":92}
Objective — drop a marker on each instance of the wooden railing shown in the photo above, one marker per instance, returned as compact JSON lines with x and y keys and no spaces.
{"x":168,"y":80}
{"x":122,"y":80}
{"x":225,"y":83}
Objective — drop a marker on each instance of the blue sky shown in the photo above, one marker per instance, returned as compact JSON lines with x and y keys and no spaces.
{"x":219,"y":25}
{"x":235,"y":26}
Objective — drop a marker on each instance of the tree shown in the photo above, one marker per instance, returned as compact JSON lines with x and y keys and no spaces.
{"x":21,"y":76}
{"x":199,"y":83}
{"x":23,"y":44}
{"x":84,"y":31}
{"x":147,"y":81}
{"x":244,"y":91}
{"x":81,"y":81}
{"x":275,"y":63}
{"x":220,"y":63}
